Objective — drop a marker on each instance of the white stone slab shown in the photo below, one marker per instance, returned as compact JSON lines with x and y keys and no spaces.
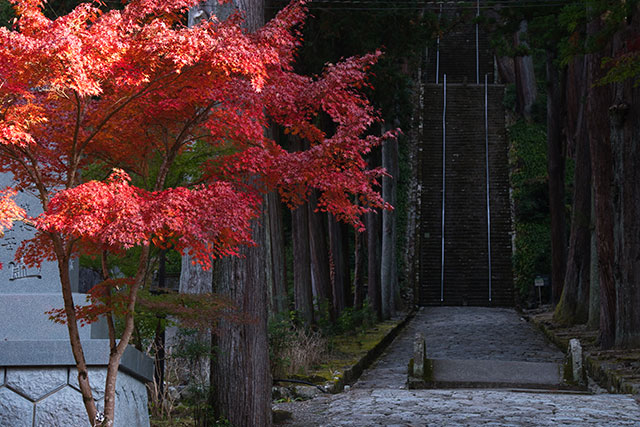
{"x":15,"y":277}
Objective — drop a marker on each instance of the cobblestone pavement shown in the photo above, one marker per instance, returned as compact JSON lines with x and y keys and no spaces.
{"x":380,"y":398}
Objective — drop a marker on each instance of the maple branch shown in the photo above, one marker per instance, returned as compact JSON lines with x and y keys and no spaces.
{"x":72,"y":326}
{"x":76,"y":132}
{"x":33,"y":171}
{"x":180,"y":140}
{"x":108,"y":117}
{"x":109,"y":302}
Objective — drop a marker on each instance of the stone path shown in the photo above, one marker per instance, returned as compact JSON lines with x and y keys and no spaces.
{"x":380,"y":397}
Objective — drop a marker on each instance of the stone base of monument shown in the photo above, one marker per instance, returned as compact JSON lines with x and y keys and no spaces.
{"x":38,"y":378}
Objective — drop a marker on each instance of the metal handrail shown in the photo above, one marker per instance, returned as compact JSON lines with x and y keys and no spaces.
{"x":486,"y":147}
{"x":444,"y":183}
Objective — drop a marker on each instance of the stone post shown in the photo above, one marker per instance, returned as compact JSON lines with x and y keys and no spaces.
{"x":419,"y":356}
{"x":575,"y":352}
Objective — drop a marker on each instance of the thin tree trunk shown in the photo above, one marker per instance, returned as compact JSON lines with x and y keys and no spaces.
{"x":594,"y":274}
{"x":373,"y":260}
{"x":302,"y":294}
{"x":388,"y":265}
{"x":340,"y":264}
{"x":74,"y":335}
{"x":320,"y":269}
{"x":555,"y":167}
{"x":280,"y":299}
{"x":359,"y":269}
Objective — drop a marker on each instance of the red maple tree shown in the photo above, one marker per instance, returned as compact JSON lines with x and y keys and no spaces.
{"x":134,"y":90}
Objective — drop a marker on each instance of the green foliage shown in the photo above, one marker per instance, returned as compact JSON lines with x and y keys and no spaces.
{"x":622,"y":68}
{"x":6,"y":13}
{"x":528,"y":161}
{"x":353,"y":320}
{"x":532,"y":256}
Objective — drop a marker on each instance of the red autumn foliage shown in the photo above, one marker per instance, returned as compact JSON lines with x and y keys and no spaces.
{"x":132,"y":91}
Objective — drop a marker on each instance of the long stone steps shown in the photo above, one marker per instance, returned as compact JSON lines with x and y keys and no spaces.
{"x":466,"y":265}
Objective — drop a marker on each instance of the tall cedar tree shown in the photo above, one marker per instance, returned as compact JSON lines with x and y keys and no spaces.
{"x":134,"y":89}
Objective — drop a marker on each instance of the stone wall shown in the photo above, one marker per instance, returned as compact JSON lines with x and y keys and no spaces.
{"x":46,"y":396}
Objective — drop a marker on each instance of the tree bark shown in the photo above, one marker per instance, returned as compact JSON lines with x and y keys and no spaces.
{"x":624,"y":116}
{"x":241,"y":372}
{"x":594,"y":275}
{"x":320,"y":269}
{"x":280,"y":300}
{"x":302,"y":293}
{"x":340,"y":280}
{"x":373,"y":260}
{"x":573,"y":307}
{"x":598,"y":100}
{"x":526,"y":90}
{"x":241,"y":376}
{"x":388,"y":265}
{"x":555,"y":169}
{"x":359,"y":268}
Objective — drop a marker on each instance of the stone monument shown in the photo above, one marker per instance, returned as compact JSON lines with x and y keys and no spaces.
{"x":38,"y":379}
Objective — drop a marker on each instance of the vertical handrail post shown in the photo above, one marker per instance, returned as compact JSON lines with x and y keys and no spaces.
{"x":486,"y":147}
{"x":438,"y":49}
{"x":477,"y":44}
{"x":444,"y":184}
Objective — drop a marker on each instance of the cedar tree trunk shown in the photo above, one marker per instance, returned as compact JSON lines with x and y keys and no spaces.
{"x":573,"y":307}
{"x":320,"y":269}
{"x":598,"y":100}
{"x":388,"y":266}
{"x":241,"y":374}
{"x":279,"y":292}
{"x":555,"y":169}
{"x":340,"y":280}
{"x":525,"y":78}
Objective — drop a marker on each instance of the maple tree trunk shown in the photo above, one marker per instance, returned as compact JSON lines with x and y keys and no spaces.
{"x":388,"y":266}
{"x":340,"y":280}
{"x":72,"y":326}
{"x":573,"y":307}
{"x":526,"y":91}
{"x":320,"y":269}
{"x":598,"y":101}
{"x":555,"y":169}
{"x":279,"y":292}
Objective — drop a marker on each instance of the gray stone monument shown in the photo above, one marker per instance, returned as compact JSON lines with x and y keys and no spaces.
{"x":38,"y":381}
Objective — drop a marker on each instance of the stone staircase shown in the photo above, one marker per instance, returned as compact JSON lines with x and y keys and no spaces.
{"x":466,"y":244}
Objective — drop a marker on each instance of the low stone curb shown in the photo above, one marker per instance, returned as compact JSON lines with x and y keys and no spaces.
{"x":351,"y":375}
{"x":603,"y":372}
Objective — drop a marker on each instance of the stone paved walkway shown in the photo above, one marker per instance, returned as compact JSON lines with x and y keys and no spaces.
{"x":380,"y":397}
